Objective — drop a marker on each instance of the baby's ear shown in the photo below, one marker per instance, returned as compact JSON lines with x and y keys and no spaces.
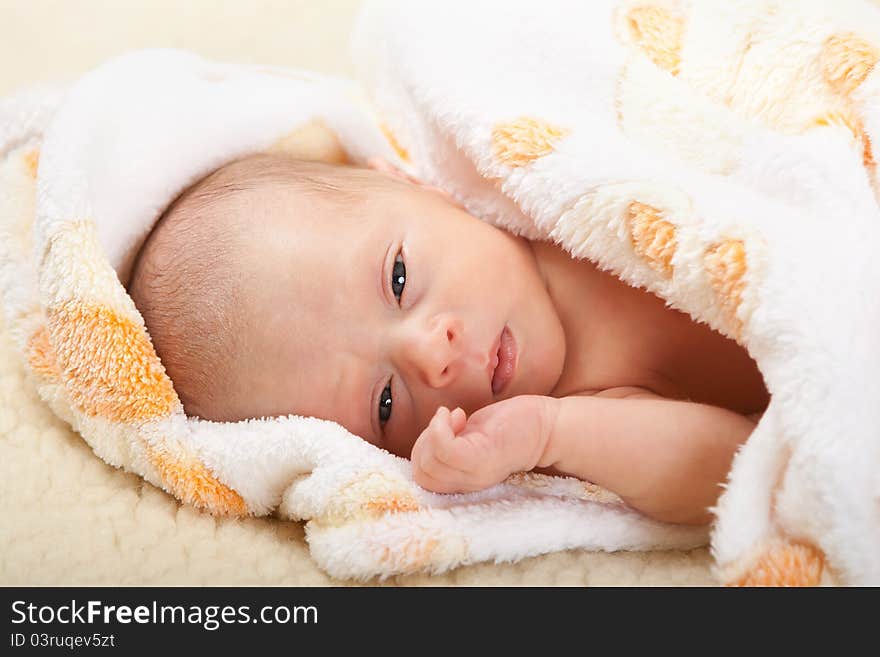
{"x":383,"y":165}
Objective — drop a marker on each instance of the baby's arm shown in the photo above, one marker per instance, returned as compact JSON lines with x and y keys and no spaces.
{"x":664,"y":457}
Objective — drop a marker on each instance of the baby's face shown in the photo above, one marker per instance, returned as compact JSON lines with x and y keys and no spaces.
{"x":376,"y":319}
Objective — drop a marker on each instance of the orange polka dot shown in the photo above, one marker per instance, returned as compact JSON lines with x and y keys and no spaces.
{"x":190,"y":481}
{"x":868,"y":152}
{"x":652,"y":237}
{"x":413,"y":553}
{"x":847,"y":117}
{"x":109,"y":366}
{"x":32,"y":162}
{"x":725,"y":263}
{"x":519,"y":142}
{"x":846,"y":60}
{"x":41,"y":356}
{"x":392,"y":139}
{"x":391,"y":504}
{"x":659,"y":33}
{"x":786,"y":564}
{"x":312,"y":141}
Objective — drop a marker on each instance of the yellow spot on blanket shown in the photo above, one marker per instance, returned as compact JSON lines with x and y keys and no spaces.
{"x":659,"y":33}
{"x":786,"y":564}
{"x":846,"y":60}
{"x":518,"y":142}
{"x":32,"y":162}
{"x":867,"y":151}
{"x":190,"y":481}
{"x":370,"y":496}
{"x":848,"y":118}
{"x":391,"y":504}
{"x":653,"y":238}
{"x":109,"y":366}
{"x":312,"y":141}
{"x":395,"y":144}
{"x":726,"y":265}
{"x":41,"y":356}
{"x":413,"y":553}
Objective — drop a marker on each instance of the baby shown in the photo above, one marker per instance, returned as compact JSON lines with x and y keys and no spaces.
{"x":276,"y":286}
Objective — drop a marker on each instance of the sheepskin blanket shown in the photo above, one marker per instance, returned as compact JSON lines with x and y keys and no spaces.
{"x":700,"y":150}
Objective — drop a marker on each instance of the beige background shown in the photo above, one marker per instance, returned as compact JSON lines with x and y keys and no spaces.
{"x":47,"y":40}
{"x":68,"y":518}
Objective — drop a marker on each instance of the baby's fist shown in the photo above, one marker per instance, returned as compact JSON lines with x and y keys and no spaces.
{"x":459,"y":454}
{"x":441,"y":461}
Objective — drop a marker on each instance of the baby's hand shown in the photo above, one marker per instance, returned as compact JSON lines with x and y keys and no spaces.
{"x":455,"y":454}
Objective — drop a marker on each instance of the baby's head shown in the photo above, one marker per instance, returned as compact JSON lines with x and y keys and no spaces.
{"x":276,"y":286}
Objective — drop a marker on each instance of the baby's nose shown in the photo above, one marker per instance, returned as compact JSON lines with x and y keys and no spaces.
{"x":435,"y":350}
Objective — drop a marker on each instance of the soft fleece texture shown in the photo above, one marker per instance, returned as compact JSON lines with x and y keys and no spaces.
{"x":684,"y":210}
{"x":71,"y":519}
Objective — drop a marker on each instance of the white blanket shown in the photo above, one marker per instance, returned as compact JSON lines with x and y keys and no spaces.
{"x":718,"y":154}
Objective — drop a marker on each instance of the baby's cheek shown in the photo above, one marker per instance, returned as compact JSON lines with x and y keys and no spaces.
{"x":403,"y":443}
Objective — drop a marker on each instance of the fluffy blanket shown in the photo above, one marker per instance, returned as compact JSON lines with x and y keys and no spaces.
{"x":699,"y":150}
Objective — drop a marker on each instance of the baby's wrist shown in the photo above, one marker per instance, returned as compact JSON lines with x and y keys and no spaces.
{"x":549,"y":412}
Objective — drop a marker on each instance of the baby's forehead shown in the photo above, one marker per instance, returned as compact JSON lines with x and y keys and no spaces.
{"x":296,"y":228}
{"x":345,"y":218}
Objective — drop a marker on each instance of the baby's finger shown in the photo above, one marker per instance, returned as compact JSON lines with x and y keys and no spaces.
{"x":432,"y":475}
{"x":457,"y":452}
{"x":458,"y":420}
{"x":438,"y":429}
{"x":441,"y":420}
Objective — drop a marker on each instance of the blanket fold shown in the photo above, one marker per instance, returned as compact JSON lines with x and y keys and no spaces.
{"x":717,"y":154}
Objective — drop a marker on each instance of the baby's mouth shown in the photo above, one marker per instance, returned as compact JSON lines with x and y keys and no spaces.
{"x":504,"y":361}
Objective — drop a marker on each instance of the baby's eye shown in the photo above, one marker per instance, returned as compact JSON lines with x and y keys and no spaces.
{"x":385,"y":405}
{"x":398,"y":277}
